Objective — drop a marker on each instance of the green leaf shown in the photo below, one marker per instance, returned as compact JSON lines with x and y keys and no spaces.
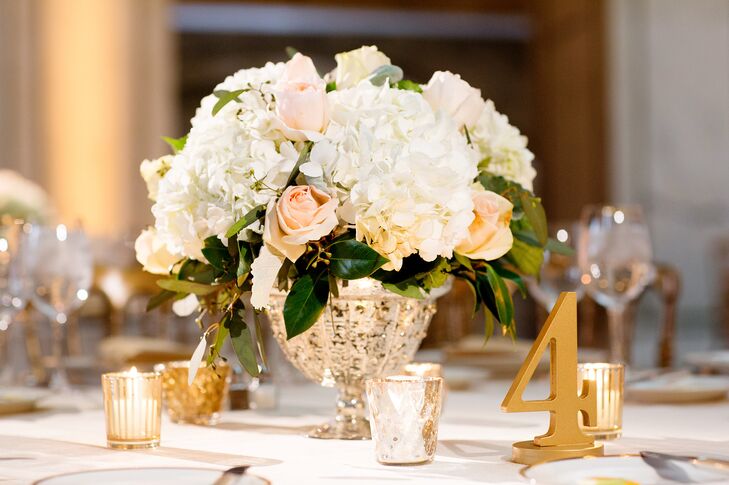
{"x":409,"y":85}
{"x":560,"y":248}
{"x":245,"y":259}
{"x":333,"y":287}
{"x":182,"y":286}
{"x":331,"y":86}
{"x":476,"y":298}
{"x":259,"y":339}
{"x":225,"y":97}
{"x":352,"y":259}
{"x":251,"y":216}
{"x":303,"y":156}
{"x":408,"y":288}
{"x":240,"y":337}
{"x":196,"y":271}
{"x":437,"y":276}
{"x":502,"y":297}
{"x":177,"y":144}
{"x":413,"y":267}
{"x":528,"y":259}
{"x":305,"y":302}
{"x":291,"y":51}
{"x":216,"y":253}
{"x":534,"y":211}
{"x":220,"y":337}
{"x":511,"y":276}
{"x":388,"y":72}
{"x":488,"y":324}
{"x":159,"y":299}
{"x":463,"y":260}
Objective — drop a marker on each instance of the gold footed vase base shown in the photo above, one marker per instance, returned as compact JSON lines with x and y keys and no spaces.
{"x":527,"y":453}
{"x":338,"y":429}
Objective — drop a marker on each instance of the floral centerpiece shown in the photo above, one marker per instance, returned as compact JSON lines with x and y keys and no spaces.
{"x":292,"y":181}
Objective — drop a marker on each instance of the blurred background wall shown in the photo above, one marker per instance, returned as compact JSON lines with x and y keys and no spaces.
{"x":623,"y":100}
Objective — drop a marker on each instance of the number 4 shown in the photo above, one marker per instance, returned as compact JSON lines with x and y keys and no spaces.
{"x":563,"y":403}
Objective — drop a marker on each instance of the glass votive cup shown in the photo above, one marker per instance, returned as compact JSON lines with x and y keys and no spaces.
{"x":133,"y":408}
{"x":404,"y":414}
{"x":199,"y":403}
{"x":609,"y":380}
{"x":423,"y":369}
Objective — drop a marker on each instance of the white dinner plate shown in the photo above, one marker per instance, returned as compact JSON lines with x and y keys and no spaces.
{"x":15,"y":400}
{"x":682,"y":389}
{"x":609,"y":470}
{"x":717,"y":360}
{"x":135,"y":476}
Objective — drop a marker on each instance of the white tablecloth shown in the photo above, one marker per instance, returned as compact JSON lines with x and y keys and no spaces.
{"x":474,"y":445}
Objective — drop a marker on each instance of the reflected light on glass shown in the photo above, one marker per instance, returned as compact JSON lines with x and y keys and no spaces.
{"x":585,"y":279}
{"x":562,"y":235}
{"x":3,"y":245}
{"x":595,"y":271}
{"x":82,"y":294}
{"x":61,"y":232}
{"x":619,"y":217}
{"x":61,"y":318}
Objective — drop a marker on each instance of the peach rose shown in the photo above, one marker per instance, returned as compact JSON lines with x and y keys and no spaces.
{"x":302,"y":214}
{"x":489,"y":235}
{"x":301,"y":98}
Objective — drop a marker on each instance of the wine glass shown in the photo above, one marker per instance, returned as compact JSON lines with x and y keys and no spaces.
{"x":560,"y":272}
{"x":62,"y":273}
{"x":615,"y":257}
{"x":15,"y":289}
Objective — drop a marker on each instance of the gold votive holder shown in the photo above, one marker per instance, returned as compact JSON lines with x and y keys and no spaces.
{"x":405,"y":411}
{"x":609,"y":380}
{"x":199,"y":403}
{"x":133,"y":408}
{"x":423,"y":369}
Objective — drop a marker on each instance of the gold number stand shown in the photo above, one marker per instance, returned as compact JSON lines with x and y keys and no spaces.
{"x":564,"y":439}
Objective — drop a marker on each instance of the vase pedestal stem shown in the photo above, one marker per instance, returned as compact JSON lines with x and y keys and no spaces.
{"x":350,"y":422}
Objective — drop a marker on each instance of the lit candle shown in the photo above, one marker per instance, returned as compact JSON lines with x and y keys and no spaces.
{"x":133,"y":408}
{"x":608,"y":384}
{"x":423,"y":369}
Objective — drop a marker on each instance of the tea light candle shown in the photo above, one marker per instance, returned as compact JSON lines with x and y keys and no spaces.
{"x":133,"y":408}
{"x":423,"y":369}
{"x":608,"y":383}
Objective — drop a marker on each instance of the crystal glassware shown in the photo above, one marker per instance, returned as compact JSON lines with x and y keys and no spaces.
{"x":133,"y":408}
{"x":559,"y":272}
{"x":609,"y":381}
{"x":199,"y":403}
{"x":615,"y":257}
{"x":62,"y":272}
{"x":363,"y":333}
{"x":405,"y":411}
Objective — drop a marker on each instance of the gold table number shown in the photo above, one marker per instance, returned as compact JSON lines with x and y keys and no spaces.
{"x":564,"y":439}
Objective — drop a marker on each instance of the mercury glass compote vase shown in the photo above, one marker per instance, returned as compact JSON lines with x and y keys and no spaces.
{"x":363,"y":333}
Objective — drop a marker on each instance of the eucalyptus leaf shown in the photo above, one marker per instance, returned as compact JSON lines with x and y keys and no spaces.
{"x":408,"y":288}
{"x":220,"y":336}
{"x":305,"y":302}
{"x":331,"y":86}
{"x":159,"y":299}
{"x":182,"y":286}
{"x":386,"y":73}
{"x":291,"y":51}
{"x":409,"y":85}
{"x":251,"y":216}
{"x":240,"y":337}
{"x":352,"y":259}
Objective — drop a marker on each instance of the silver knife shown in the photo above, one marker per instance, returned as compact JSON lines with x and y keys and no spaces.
{"x":663,"y":464}
{"x":231,"y":476}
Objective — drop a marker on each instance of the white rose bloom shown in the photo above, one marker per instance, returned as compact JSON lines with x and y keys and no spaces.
{"x":448,"y":92}
{"x":152,"y":172}
{"x":232,"y":162}
{"x":22,"y":198}
{"x":402,"y":170}
{"x":354,"y":66}
{"x":501,"y":148}
{"x":153,"y":254}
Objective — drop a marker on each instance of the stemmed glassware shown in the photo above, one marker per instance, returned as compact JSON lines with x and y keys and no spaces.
{"x":616,"y":260}
{"x":62,"y":273}
{"x":560,"y":272}
{"x":15,"y":289}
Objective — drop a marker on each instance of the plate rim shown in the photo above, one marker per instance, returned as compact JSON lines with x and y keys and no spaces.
{"x":59,"y":475}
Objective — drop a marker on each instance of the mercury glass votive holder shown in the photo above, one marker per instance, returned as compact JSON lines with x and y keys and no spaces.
{"x":405,"y":411}
{"x":133,"y":408}
{"x":609,"y":381}
{"x":199,"y":403}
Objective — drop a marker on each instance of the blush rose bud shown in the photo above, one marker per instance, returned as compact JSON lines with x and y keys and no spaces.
{"x":301,"y":98}
{"x":489,"y":236}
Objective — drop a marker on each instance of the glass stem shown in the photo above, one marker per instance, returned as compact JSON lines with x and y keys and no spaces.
{"x":616,"y":330}
{"x":350,"y":404}
{"x":59,"y":379}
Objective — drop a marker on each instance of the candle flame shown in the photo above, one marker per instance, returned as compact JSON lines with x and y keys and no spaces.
{"x":133,"y":371}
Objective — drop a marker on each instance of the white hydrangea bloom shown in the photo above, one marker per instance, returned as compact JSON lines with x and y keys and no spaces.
{"x":502,"y":147}
{"x":403,"y":172}
{"x":230,"y":163}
